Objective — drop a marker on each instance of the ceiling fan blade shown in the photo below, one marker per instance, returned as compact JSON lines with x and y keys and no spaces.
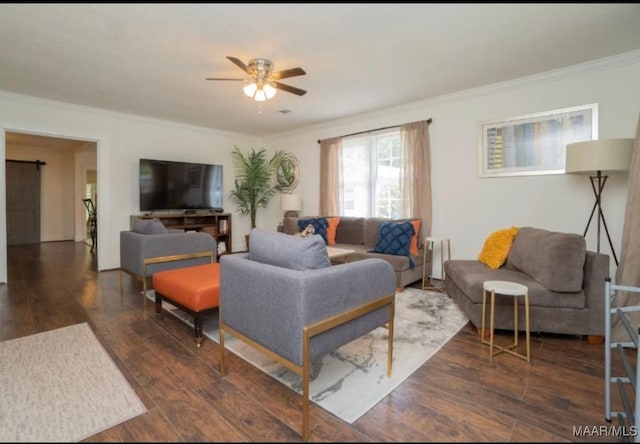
{"x":291,"y":89}
{"x":221,"y":78}
{"x":288,"y":73}
{"x":241,"y":65}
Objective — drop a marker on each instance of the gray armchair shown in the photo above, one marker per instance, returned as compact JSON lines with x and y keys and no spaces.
{"x":284,"y":298}
{"x":150,"y":239}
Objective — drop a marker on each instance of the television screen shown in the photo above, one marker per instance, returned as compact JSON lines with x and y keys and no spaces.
{"x":169,"y":185}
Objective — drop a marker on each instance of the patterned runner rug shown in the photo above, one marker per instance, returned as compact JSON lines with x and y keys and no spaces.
{"x":61,"y":386}
{"x":351,"y":380}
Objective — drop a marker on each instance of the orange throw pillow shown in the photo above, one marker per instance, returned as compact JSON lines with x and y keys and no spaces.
{"x":497,"y":246}
{"x":331,"y":229}
{"x":413,"y":245}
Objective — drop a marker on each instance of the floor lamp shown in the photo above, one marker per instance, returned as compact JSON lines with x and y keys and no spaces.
{"x":598,"y":159}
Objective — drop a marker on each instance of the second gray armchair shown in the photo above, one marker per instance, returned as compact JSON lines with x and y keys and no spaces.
{"x":150,"y":239}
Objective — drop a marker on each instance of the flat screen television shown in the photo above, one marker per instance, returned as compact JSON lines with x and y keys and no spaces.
{"x":170,"y":185}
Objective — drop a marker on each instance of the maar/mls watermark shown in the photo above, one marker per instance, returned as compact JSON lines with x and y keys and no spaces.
{"x":605,"y":431}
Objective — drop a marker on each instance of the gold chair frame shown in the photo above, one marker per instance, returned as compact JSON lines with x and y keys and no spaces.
{"x":308,"y":332}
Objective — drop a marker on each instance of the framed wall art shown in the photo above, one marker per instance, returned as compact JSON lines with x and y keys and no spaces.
{"x":534,"y":143}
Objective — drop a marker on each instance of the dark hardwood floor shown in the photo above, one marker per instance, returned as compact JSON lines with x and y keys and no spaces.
{"x":457,"y":395}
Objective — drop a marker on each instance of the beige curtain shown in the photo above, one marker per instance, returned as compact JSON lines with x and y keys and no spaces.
{"x":330,"y":174}
{"x":416,"y":175}
{"x":628,"y":272}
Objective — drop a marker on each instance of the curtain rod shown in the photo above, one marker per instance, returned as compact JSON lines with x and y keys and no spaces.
{"x":429,"y":120}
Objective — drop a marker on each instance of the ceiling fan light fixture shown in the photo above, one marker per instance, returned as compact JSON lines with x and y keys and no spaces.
{"x":260,"y":95}
{"x":269,"y":90}
{"x":264,"y":81}
{"x":250,"y":89}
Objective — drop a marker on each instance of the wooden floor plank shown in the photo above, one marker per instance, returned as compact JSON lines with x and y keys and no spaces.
{"x":459,"y":394}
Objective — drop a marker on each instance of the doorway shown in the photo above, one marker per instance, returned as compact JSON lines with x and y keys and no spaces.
{"x":63,"y":181}
{"x":90,"y":192}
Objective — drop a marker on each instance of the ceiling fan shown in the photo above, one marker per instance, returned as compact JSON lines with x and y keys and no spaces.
{"x":264,"y":80}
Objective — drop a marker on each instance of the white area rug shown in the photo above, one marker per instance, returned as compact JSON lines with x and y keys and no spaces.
{"x":61,"y":386}
{"x":351,"y":380}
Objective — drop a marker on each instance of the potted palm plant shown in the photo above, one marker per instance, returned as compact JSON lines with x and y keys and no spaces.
{"x":253,"y":184}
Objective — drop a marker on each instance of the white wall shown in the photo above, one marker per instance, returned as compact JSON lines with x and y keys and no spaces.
{"x":466,"y":208}
{"x":121,"y":140}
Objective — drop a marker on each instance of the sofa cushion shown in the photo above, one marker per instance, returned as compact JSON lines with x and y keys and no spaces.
{"x":497,"y":246}
{"x":149,"y":226}
{"x":350,"y":231}
{"x":469,"y":276}
{"x":394,"y":238}
{"x":399,"y":263}
{"x":283,"y":250}
{"x":371,"y":229}
{"x":554,"y":259}
{"x":319,"y":224}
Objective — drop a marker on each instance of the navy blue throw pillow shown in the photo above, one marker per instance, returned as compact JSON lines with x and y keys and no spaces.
{"x":319,"y":224}
{"x":394,"y":238}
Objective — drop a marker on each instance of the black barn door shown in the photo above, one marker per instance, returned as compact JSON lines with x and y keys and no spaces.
{"x":23,"y":202}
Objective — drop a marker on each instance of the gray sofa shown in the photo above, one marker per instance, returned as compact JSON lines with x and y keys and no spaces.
{"x":149,"y":238}
{"x":360,"y":234}
{"x":565,"y":282}
{"x":284,"y":298}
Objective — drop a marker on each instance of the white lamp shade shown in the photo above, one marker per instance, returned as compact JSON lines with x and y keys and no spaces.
{"x":605,"y":155}
{"x":250,"y":89}
{"x":260,"y":96}
{"x":269,"y":91}
{"x":290,"y":202}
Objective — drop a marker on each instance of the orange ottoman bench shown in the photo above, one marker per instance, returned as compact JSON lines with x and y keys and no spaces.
{"x":195,"y":290}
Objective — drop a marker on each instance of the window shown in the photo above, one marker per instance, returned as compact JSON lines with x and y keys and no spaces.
{"x":372,"y":175}
{"x":386,"y":174}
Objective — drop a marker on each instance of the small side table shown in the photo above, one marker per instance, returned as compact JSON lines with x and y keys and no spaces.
{"x":507,"y":289}
{"x":429,"y":244}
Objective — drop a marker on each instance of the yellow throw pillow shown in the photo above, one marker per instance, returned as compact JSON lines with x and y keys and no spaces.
{"x":497,"y":246}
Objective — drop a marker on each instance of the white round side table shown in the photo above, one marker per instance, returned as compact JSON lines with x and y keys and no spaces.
{"x":514,"y":290}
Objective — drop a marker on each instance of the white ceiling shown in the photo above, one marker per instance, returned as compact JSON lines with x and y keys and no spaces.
{"x":151,"y":59}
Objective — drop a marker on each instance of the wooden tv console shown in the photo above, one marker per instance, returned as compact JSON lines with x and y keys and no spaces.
{"x":217,"y":225}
